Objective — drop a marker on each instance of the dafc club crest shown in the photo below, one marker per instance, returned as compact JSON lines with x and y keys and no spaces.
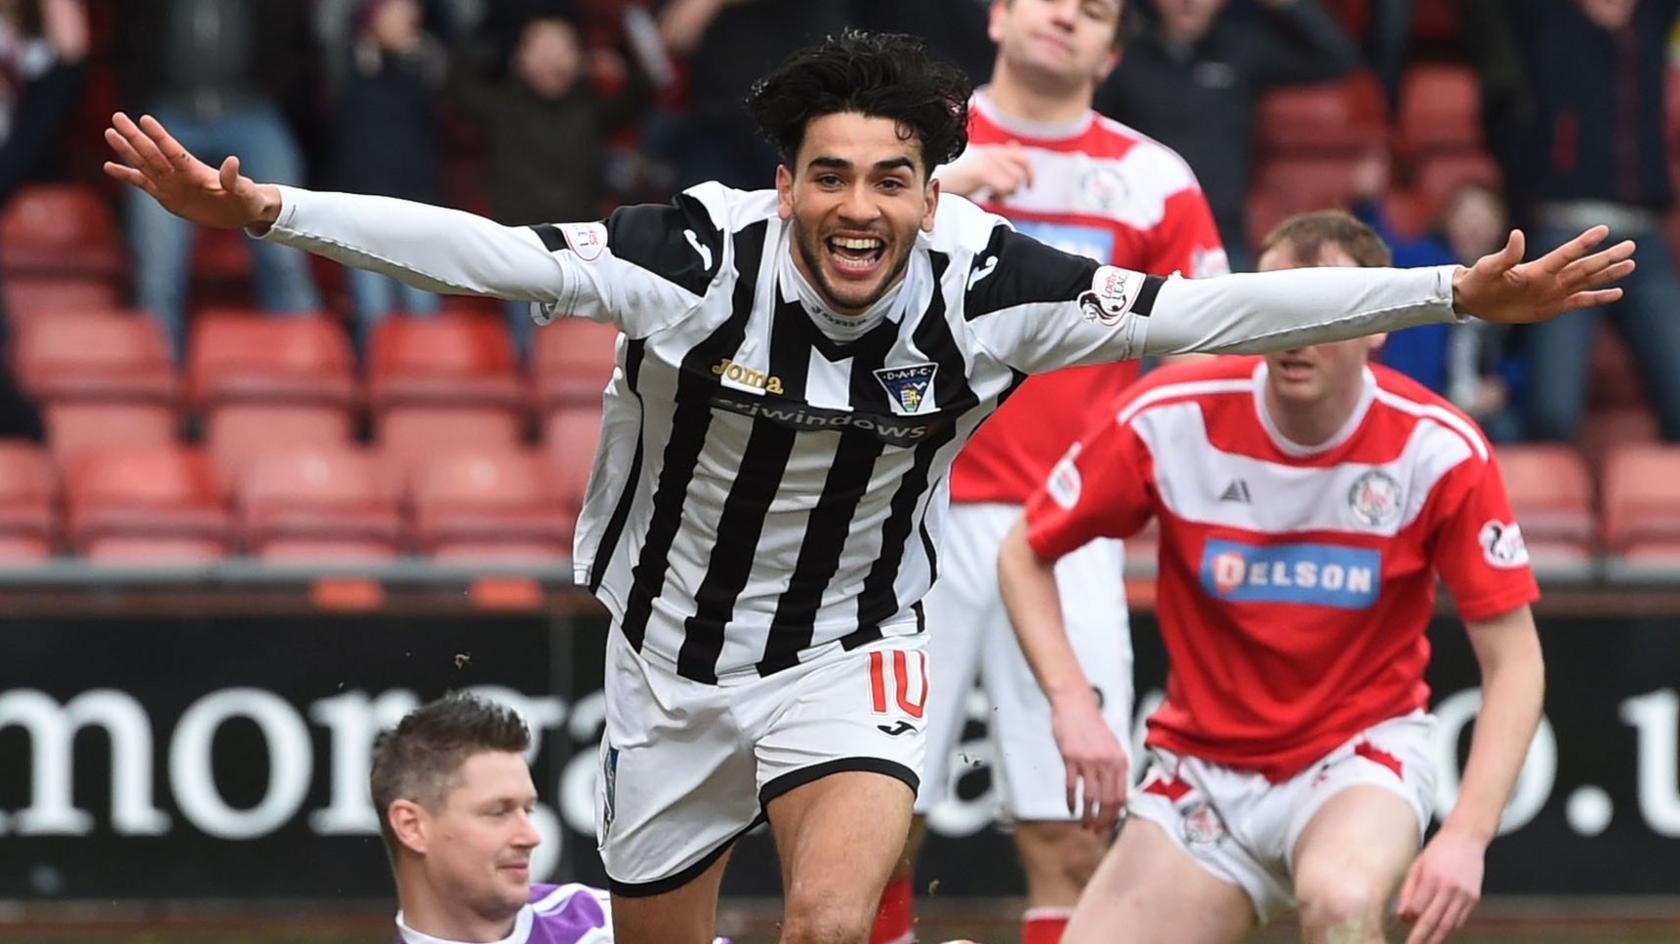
{"x":908,"y":386}
{"x":1202,"y":825}
{"x":1375,"y":499}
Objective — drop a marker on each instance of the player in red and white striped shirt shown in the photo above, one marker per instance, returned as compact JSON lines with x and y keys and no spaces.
{"x":1071,"y":178}
{"x":1307,"y":503}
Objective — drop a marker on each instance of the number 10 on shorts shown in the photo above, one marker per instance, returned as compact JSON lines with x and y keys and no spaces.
{"x":909,"y":684}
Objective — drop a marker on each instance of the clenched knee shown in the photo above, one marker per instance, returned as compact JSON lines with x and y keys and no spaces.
{"x":826,"y":920}
{"x":1340,"y":908}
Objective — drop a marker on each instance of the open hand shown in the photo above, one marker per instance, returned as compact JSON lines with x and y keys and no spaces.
{"x":1442,"y":887}
{"x":1093,"y":758}
{"x":1501,"y":287}
{"x":158,"y":164}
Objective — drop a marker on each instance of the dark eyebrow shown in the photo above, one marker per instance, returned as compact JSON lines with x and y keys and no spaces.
{"x":840,"y":163}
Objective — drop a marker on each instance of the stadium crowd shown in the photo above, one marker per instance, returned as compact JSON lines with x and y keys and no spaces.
{"x":1439,"y":122}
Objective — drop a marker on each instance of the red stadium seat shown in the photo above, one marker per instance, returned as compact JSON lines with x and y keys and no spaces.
{"x":21,"y":550}
{"x":324,"y":550}
{"x":124,"y":549}
{"x":570,"y":438}
{"x":28,"y":299}
{"x":75,"y":428}
{"x":236,"y":432}
{"x":1552,"y":497}
{"x":240,"y":355}
{"x":1437,"y":176}
{"x":96,"y":355}
{"x":137,"y":502}
{"x":1345,"y":115}
{"x":409,"y":436}
{"x":572,"y":361}
{"x":1603,"y":431}
{"x":1641,"y":503}
{"x":326,"y":497}
{"x":1288,"y":186}
{"x":28,"y":493}
{"x":448,"y":360}
{"x":490,"y":504}
{"x":60,"y":230}
{"x":1440,"y":109}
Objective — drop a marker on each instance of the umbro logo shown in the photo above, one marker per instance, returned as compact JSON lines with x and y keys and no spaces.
{"x":902,"y":727}
{"x":1237,"y":491}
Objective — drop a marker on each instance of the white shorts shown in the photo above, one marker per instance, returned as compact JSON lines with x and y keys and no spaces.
{"x":1242,"y":828}
{"x":687,"y":768}
{"x":971,"y":637}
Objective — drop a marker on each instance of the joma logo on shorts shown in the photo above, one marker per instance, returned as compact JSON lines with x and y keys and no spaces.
{"x":729,"y":370}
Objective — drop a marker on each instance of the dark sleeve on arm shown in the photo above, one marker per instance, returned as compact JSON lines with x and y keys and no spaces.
{"x":1301,"y":42}
{"x":47,"y":104}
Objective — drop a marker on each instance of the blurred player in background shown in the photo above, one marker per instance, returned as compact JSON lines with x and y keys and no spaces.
{"x":1067,"y":176}
{"x":455,"y":797}
{"x":1307,"y":501}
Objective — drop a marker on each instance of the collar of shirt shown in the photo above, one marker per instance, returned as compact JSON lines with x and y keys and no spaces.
{"x":1038,"y":130}
{"x":521,"y":931}
{"x":1289,"y":446}
{"x":842,"y":328}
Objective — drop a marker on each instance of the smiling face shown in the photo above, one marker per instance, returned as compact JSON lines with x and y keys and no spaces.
{"x":1066,"y":42}
{"x":477,"y":844}
{"x":856,"y":196}
{"x":1321,"y":373}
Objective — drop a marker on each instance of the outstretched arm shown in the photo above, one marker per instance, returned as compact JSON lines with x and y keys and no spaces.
{"x":432,"y":248}
{"x":1055,"y":309}
{"x":1278,"y":310}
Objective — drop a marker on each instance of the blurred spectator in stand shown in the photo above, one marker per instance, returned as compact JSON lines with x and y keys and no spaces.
{"x":217,"y":73}
{"x":1467,"y":363}
{"x":547,"y":120}
{"x":1388,"y":44}
{"x":954,"y":29}
{"x":1591,"y":150}
{"x":1193,"y":76}
{"x":385,"y":134}
{"x":728,"y":44}
{"x":43,"y":52}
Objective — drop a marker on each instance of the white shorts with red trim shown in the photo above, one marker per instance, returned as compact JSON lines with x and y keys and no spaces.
{"x":970,"y":638}
{"x":687,"y":768}
{"x":1242,"y":828}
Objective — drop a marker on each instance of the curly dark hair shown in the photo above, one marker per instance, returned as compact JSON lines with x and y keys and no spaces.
{"x":881,"y":75}
{"x":419,"y":758}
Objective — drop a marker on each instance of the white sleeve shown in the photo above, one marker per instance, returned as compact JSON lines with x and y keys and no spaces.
{"x":428,"y":247}
{"x":642,"y":270}
{"x":1248,"y":313}
{"x":1037,"y":309}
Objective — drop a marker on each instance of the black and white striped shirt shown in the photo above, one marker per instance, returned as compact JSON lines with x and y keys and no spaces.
{"x":771,"y":480}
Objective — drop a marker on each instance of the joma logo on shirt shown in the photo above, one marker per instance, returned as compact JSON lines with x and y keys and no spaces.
{"x":1321,"y":574}
{"x":729,"y":370}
